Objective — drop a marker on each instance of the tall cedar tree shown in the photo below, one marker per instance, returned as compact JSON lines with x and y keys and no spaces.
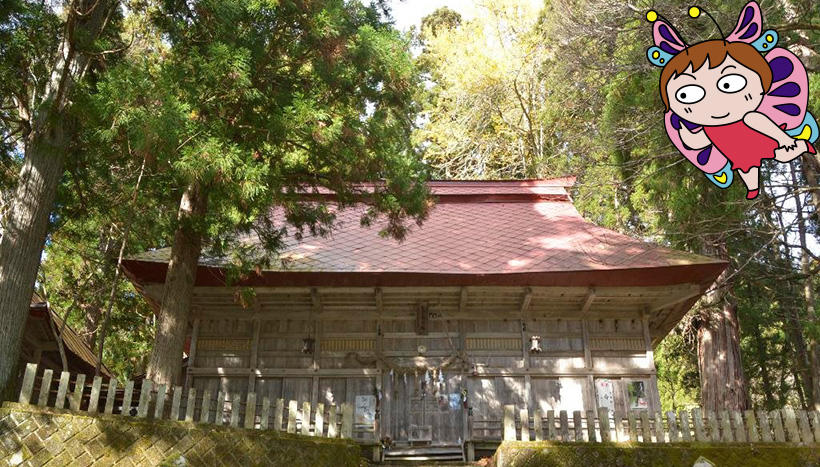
{"x":266,"y":101}
{"x":47,"y":50}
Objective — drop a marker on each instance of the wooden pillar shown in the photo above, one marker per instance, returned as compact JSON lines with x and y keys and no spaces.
{"x":650,"y":359}
{"x":379,"y":428}
{"x":254,"y":361}
{"x":192,"y":353}
{"x":589,"y":388}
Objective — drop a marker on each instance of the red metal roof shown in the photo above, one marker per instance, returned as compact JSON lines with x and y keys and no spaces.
{"x":482,"y":232}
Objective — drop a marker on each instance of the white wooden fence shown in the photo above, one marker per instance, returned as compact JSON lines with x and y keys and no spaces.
{"x":784,"y":425}
{"x":157,"y":402}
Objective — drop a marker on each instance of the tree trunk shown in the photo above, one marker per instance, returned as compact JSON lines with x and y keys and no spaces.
{"x":765,"y":373}
{"x":172,"y":323}
{"x":722,"y":382}
{"x":808,"y":164}
{"x":24,"y":234}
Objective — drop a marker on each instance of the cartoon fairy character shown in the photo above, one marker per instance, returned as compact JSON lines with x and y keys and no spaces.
{"x":735,"y":101}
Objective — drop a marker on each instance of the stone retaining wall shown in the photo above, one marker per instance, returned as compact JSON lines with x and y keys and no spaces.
{"x":31,"y":435}
{"x":547,"y":454}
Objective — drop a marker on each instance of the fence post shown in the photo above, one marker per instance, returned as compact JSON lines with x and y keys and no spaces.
{"x":319,"y":420}
{"x":111,"y":396}
{"x":306,"y":418}
{"x":751,"y":427}
{"x":632,"y":426}
{"x":603,"y":422}
{"x":564,"y":421}
{"x":805,"y":430}
{"x":94,"y":401}
{"x":725,"y":427}
{"x":292,"y":410}
{"x":190,"y":405}
{"x":62,"y":389}
{"x":28,"y":384}
{"x":205,"y":408}
{"x":685,"y":429}
{"x":536,"y":425}
{"x":659,"y":434}
{"x":646,"y":434}
{"x":551,"y":433}
{"x":740,"y":430}
{"x":219,"y":413}
{"x":777,"y":426}
{"x":347,"y":421}
{"x":159,"y":410}
{"x":525,"y":424}
{"x":578,"y":425}
{"x":278,"y":414}
{"x":790,"y":423}
{"x":77,"y":397}
{"x":263,"y":422}
{"x":45,"y":387}
{"x":145,"y":398}
{"x":250,"y":410}
{"x":765,"y":428}
{"x":235,"y":409}
{"x":673,"y":428}
{"x":697,"y":420}
{"x":620,"y":434}
{"x":332,"y":422}
{"x":714,"y":427}
{"x":591,"y":426}
{"x":509,"y":423}
{"x":127,"y":394}
{"x":176,"y":400}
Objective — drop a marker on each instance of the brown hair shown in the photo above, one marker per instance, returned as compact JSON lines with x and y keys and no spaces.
{"x":715,"y":51}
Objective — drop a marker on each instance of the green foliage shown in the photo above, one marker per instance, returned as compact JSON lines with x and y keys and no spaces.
{"x":487,"y":94}
{"x":259,"y":103}
{"x":677,"y":371}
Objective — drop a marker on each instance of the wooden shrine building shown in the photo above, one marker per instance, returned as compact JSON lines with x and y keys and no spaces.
{"x":505,"y":295}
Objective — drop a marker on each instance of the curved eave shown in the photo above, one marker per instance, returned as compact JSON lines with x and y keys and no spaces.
{"x":143,"y":272}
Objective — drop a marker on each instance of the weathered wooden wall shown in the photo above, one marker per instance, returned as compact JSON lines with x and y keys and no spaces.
{"x":386,"y":346}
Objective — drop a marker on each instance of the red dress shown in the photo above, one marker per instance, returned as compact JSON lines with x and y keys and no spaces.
{"x":744,"y":146}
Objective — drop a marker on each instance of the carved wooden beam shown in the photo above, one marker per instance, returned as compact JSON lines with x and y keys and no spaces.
{"x":462,"y":302}
{"x":525,"y":300}
{"x":316,"y":299}
{"x":588,"y":301}
{"x":379,"y":300}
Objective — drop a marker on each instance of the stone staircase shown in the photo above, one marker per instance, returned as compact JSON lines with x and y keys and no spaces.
{"x":426,"y":455}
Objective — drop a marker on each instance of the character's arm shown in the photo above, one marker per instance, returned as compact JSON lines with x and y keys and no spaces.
{"x":697,"y":140}
{"x":763,"y":124}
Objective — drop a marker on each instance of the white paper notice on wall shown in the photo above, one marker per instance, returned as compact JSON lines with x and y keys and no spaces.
{"x":605,"y":393}
{"x":365,"y":413}
{"x":571,"y":394}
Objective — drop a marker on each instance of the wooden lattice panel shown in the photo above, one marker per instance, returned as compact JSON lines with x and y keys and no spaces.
{"x":617,"y":343}
{"x":348,"y":345}
{"x":493,"y":343}
{"x":235,"y":345}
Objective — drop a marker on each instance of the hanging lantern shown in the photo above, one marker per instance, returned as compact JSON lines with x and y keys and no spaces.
{"x":307,"y":345}
{"x":535,"y":344}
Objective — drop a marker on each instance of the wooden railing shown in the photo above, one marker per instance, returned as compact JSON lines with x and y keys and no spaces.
{"x":784,"y":425}
{"x":156,"y":402}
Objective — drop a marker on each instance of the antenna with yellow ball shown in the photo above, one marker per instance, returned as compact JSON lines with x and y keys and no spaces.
{"x":695,"y":11}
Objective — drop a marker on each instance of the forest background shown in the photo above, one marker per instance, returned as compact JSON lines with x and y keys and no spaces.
{"x":515,"y":89}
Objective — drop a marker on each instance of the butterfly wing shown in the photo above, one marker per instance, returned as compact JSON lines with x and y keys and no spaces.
{"x":710,"y":160}
{"x":788,"y":96}
{"x":749,"y":24}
